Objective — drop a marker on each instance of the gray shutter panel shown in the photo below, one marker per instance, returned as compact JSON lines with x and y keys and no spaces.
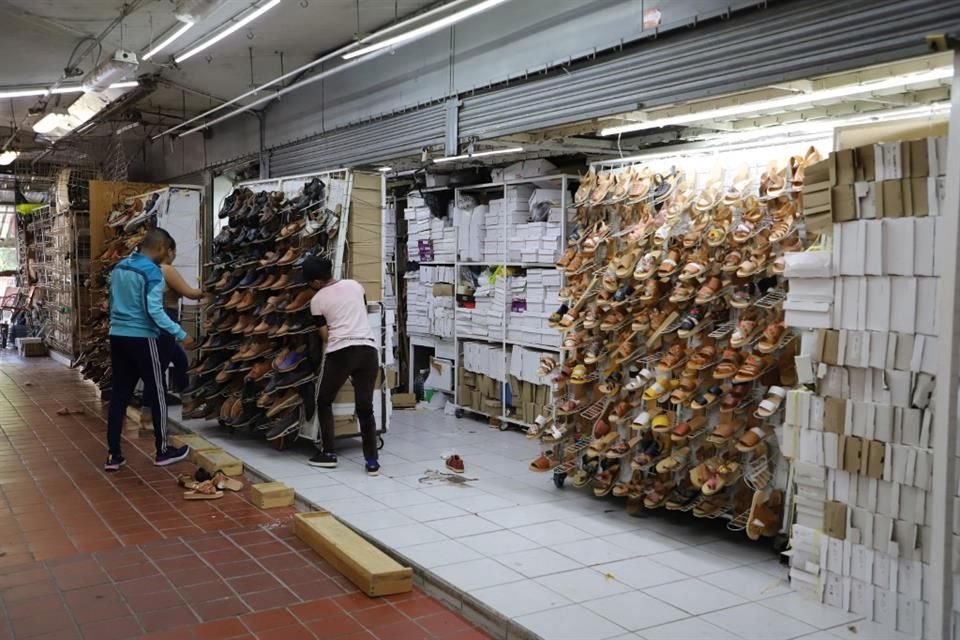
{"x":782,"y":42}
{"x":367,"y":143}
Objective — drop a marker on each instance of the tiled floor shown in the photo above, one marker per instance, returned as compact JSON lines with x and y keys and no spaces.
{"x":84,"y":554}
{"x":560,"y":563}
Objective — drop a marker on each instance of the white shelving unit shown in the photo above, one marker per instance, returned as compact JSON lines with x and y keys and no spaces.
{"x":565,"y":183}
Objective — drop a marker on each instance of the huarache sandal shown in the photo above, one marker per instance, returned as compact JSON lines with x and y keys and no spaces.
{"x":543,"y":463}
{"x":659,"y":390}
{"x":674,"y":461}
{"x":674,"y":358}
{"x":771,"y":404}
{"x":750,"y":266}
{"x":669,"y":264}
{"x":741,"y":298}
{"x":726,"y":474}
{"x":689,"y":383}
{"x":764,"y":518}
{"x":554,"y":320}
{"x":223,"y":481}
{"x":205,"y":490}
{"x":623,"y":447}
{"x":732,"y":261}
{"x":603,"y":482}
{"x":738,"y":189}
{"x":709,"y":291}
{"x":744,"y":334}
{"x":752,"y":368}
{"x":685,"y":430}
{"x":647,"y":266}
{"x":596,"y":238}
{"x":682,"y":292}
{"x":658,"y":495}
{"x":682,"y":497}
{"x":703,"y":357}
{"x":579,"y":375}
{"x":651,"y":291}
{"x":752,"y":438}
{"x":709,"y":398}
{"x":639,"y":380}
{"x":772,"y":335}
{"x":568,"y":406}
{"x":735,"y":398}
{"x":569,"y":318}
{"x":624,"y":265}
{"x":690,"y":323}
{"x":649,"y":450}
{"x":717,"y":235}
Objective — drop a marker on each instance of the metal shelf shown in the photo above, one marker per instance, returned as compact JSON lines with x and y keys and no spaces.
{"x":511,"y":343}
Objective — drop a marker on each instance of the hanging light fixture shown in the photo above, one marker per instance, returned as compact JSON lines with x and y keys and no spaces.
{"x":239,"y":24}
{"x":7,"y":157}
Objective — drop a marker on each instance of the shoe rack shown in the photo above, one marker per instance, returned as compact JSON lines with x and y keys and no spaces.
{"x":675,"y":361}
{"x":252,"y":372}
{"x":507,"y":310}
{"x":176,"y":208}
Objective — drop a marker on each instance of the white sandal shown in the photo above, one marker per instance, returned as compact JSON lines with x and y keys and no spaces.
{"x":771,"y":404}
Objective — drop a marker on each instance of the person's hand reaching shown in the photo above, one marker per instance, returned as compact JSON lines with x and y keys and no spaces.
{"x":188,"y":342}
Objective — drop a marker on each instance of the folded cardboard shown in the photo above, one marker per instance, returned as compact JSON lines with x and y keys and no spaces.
{"x":217,"y":460}
{"x":373,"y":571}
{"x":268,"y":495}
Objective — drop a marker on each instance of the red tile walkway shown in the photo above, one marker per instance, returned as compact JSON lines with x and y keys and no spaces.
{"x":85,"y":554}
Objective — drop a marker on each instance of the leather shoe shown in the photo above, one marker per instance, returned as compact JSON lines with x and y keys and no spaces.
{"x":281,"y":282}
{"x":301,"y":301}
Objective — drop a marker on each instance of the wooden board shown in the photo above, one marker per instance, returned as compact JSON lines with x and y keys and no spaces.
{"x":268,"y":495}
{"x":196,"y":443}
{"x":218,"y":460}
{"x":373,"y":571}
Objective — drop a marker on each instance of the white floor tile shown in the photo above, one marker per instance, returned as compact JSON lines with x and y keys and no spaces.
{"x":806,"y":610}
{"x":378,"y":485}
{"x":749,"y":583}
{"x":644,"y":542}
{"x":606,"y":524}
{"x":570,"y":623}
{"x":863,"y":629}
{"x":593,"y":552}
{"x":635,"y":611}
{"x":498,"y":542}
{"x":694,"y":596}
{"x":437,"y":554}
{"x":463,"y":526}
{"x":520,"y":598}
{"x":694,"y":562}
{"x":552,"y":533}
{"x":744,"y":552}
{"x":688,"y":629}
{"x":431,"y":511}
{"x":520,"y":516}
{"x":451,"y":492}
{"x":477,"y":574}
{"x":346,"y":506}
{"x":482,"y":502}
{"x":641,"y":573}
{"x":406,"y":498}
{"x":310,"y":481}
{"x":408,"y":535}
{"x":754,"y":622}
{"x":375,"y":520}
{"x":534,"y":563}
{"x":583,"y":584}
{"x":321,"y":495}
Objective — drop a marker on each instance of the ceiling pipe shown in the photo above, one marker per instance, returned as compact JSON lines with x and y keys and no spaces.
{"x":320,"y":76}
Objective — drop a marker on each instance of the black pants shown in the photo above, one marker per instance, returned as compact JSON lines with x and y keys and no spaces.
{"x":172,"y":353}
{"x":135,"y":359}
{"x":360,"y":364}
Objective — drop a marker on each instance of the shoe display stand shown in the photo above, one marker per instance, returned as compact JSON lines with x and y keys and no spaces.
{"x":861,"y":434}
{"x":675,"y":358}
{"x":176,"y":208}
{"x":509,"y":237}
{"x":253,"y":373}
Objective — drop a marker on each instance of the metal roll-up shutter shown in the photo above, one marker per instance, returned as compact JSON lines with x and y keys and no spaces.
{"x":367,"y":143}
{"x":782,"y":42}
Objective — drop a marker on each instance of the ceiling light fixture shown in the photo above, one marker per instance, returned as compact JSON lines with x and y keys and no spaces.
{"x":166,"y":42}
{"x":478,"y":154}
{"x":44,"y":91}
{"x":774,"y":104}
{"x":55,"y":121}
{"x":7,"y":157}
{"x":239,"y":24}
{"x":385,"y":169}
{"x":195,"y":10}
{"x":425,"y":30}
{"x":120,"y":65}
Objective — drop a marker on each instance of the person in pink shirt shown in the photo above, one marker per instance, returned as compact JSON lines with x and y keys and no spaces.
{"x":339,"y":308}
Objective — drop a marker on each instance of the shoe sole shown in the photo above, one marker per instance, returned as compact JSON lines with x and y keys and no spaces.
{"x":169,"y":461}
{"x":286,"y":432}
{"x":297,"y":383}
{"x":373,"y":473}
{"x":323,"y":465}
{"x":114,"y":467}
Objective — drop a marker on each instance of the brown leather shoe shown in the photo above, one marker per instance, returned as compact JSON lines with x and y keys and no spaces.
{"x":259,"y":370}
{"x":281,"y":282}
{"x":287,"y":401}
{"x":242,"y":323}
{"x":289,"y":257}
{"x":234,"y":300}
{"x":247,"y":302}
{"x":271,"y":306}
{"x":301,"y":301}
{"x":261,"y":328}
{"x":227,"y":323}
{"x":222,"y":282}
{"x":280,"y":357}
{"x":258,"y":349}
{"x":283,"y":330}
{"x":268,"y":283}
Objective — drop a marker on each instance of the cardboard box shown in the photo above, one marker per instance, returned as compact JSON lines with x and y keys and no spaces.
{"x":218,"y":460}
{"x":195,"y":442}
{"x":373,"y":571}
{"x":919,"y":165}
{"x":443,"y":289}
{"x":865,"y":163}
{"x":875,"y":459}
{"x":843,"y":203}
{"x":835,"y":519}
{"x":892,"y":191}
{"x":842,"y":167}
{"x":835,"y":415}
{"x":404,"y":400}
{"x":818,"y":172}
{"x":268,"y":495}
{"x":31,"y":347}
{"x":851,"y":453}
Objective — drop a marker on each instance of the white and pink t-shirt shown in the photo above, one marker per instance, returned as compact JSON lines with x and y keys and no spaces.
{"x":343,"y":306}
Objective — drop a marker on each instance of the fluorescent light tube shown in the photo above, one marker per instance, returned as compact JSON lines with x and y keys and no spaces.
{"x":62,"y":90}
{"x":425,"y":30}
{"x":130,"y":84}
{"x":239,"y":24}
{"x":166,"y":42}
{"x":773,"y":104}
{"x":7,"y":157}
{"x":385,"y":169}
{"x":478,"y":154}
{"x":23,"y":93}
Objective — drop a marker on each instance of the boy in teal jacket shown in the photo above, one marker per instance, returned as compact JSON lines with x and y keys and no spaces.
{"x":136,"y":320}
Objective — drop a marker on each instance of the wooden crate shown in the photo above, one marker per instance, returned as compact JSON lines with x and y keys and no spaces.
{"x":268,"y":495}
{"x":373,"y":571}
{"x":219,"y":460}
{"x":197,"y":444}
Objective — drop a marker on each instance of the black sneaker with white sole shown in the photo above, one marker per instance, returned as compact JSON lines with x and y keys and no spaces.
{"x":114,"y":462}
{"x":324,"y":460}
{"x":285,"y":426}
{"x":373,"y":468}
{"x":172,"y":455}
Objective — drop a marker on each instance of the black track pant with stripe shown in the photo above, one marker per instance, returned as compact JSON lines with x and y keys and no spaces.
{"x":135,"y":359}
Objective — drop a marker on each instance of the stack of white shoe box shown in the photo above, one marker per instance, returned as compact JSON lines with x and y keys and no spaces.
{"x":429,"y":239}
{"x":861,"y":440}
{"x":502,"y":219}
{"x":430,"y":307}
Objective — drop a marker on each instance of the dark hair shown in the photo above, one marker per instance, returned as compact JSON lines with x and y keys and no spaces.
{"x":157,"y":239}
{"x":317,"y":269}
